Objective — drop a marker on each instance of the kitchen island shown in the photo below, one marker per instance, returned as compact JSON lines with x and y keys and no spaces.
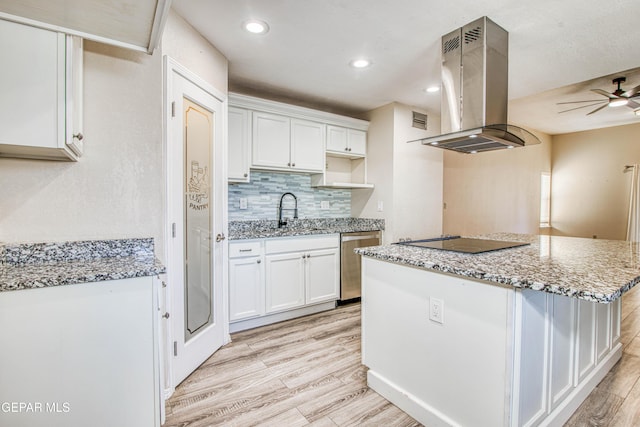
{"x":514,"y":337}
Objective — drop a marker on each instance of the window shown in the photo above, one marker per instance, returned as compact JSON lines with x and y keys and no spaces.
{"x":545,"y":199}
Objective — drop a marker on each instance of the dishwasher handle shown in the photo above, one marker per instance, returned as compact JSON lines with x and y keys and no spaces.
{"x":363,"y":237}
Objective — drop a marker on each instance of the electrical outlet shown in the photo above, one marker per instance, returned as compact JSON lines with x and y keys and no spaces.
{"x":380,"y":206}
{"x":243,"y":203}
{"x":324,"y":205}
{"x":436,"y":310}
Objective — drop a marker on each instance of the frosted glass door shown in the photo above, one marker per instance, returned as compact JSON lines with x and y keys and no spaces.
{"x":197,"y":214}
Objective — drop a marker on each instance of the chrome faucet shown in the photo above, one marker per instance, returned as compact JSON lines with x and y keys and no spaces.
{"x":295,"y":210}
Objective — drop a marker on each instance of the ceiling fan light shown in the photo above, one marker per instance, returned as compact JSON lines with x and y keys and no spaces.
{"x":618,"y":102}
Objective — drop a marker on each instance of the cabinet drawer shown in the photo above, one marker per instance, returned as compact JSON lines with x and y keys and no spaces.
{"x":297,"y":244}
{"x":243,"y":249}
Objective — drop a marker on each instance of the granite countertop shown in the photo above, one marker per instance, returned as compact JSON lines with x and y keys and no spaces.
{"x":258,"y":229}
{"x":39,"y":265}
{"x":590,"y":269}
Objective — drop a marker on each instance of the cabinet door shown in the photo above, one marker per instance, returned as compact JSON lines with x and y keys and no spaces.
{"x":271,"y":136}
{"x":615,"y":322}
{"x":563,"y":310}
{"x":337,"y":139}
{"x":307,"y":145}
{"x":357,"y":142}
{"x":603,"y":330}
{"x":284,"y":284}
{"x":533,"y":363}
{"x":32,"y":87}
{"x":586,"y":355}
{"x":73,"y":96}
{"x":239,"y":136}
{"x":322,"y":277}
{"x":246,"y":288}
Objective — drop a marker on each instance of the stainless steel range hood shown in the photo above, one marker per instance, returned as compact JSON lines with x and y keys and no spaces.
{"x":474,"y":91}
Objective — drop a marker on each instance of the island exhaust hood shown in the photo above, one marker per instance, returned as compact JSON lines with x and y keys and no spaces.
{"x":474,"y":91}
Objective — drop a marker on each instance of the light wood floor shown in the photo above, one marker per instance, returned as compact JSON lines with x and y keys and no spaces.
{"x":307,"y":371}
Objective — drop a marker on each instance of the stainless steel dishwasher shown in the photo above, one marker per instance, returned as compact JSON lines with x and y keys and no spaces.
{"x":350,"y":266}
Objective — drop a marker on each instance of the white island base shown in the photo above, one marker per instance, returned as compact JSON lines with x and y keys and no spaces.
{"x":502,"y":356}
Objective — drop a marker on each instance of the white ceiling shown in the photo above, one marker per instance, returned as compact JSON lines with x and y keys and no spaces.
{"x":305,"y":56}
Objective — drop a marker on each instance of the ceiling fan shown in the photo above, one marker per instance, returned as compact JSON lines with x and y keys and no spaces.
{"x":617,"y":98}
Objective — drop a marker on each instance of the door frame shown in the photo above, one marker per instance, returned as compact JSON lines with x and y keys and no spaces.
{"x":171,"y":66}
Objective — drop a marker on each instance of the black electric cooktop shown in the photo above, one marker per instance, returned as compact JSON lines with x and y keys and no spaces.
{"x":463,"y":244}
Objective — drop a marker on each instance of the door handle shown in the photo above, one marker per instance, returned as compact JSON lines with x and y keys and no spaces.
{"x":220,"y":237}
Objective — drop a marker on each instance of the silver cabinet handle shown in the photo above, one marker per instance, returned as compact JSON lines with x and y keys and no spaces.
{"x":246,"y":175}
{"x":79,"y":136}
{"x":220,"y":237}
{"x":259,"y":261}
{"x":289,"y":164}
{"x":166,"y":315}
{"x":293,"y":165}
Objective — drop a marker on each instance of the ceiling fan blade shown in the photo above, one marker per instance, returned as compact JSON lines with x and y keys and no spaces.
{"x":598,"y":109}
{"x":583,"y":106}
{"x":604,"y":93}
{"x":632,"y":92}
{"x":577,"y":102}
{"x":632,"y":104}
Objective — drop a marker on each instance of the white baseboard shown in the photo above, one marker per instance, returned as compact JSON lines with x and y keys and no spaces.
{"x":410,"y":404}
{"x":279,"y":317}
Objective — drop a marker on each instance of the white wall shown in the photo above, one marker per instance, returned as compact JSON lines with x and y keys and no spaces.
{"x":117,"y":188}
{"x":496,"y":191}
{"x":407,"y":177}
{"x":590,"y":191}
{"x":184,"y":44}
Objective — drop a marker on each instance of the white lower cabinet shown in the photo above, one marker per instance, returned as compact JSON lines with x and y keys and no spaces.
{"x":279,"y":278}
{"x":75,"y":351}
{"x":321,"y":279}
{"x":564,"y":345}
{"x":285,"y":281}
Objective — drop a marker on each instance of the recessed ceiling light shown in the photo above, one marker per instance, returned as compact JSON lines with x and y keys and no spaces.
{"x":473,"y":152}
{"x":435,"y":143}
{"x":256,"y":26}
{"x":509,"y":146}
{"x":433,"y":89}
{"x":360,"y":63}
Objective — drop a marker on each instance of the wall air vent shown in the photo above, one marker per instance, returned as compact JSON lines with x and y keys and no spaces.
{"x":451,"y":44}
{"x":473,"y":35}
{"x":419,"y":120}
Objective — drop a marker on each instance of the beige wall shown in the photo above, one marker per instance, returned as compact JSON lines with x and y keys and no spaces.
{"x":117,"y":188}
{"x":407,"y":177}
{"x":496,"y":191}
{"x":590,"y":192}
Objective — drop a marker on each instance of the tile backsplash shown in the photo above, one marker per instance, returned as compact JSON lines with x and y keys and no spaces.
{"x":264,"y":191}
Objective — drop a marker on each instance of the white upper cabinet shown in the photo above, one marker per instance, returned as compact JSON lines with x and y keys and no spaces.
{"x":307,"y":145}
{"x":289,"y":138}
{"x":348,"y":142}
{"x":132,"y":24}
{"x":41,"y":86}
{"x":271,"y":140}
{"x":280,"y":142}
{"x":239,"y":144}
